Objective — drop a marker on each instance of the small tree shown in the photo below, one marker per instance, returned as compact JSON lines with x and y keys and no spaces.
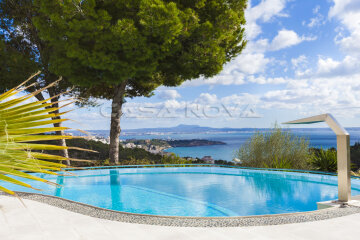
{"x":122,"y":48}
{"x":276,"y":148}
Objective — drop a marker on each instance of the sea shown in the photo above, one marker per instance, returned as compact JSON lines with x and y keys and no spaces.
{"x":318,"y":137}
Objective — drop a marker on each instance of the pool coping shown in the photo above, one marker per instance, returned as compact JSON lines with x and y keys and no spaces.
{"x":334,"y":210}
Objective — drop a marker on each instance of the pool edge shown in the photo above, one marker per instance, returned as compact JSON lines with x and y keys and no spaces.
{"x":181,"y":221}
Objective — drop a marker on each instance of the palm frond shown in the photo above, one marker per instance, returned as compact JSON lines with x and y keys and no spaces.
{"x":22,"y":122}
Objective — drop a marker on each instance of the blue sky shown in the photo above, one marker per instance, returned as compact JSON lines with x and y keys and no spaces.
{"x":302,"y":59}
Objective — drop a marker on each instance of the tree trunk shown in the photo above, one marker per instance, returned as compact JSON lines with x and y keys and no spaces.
{"x":62,"y":142}
{"x":116,"y":112}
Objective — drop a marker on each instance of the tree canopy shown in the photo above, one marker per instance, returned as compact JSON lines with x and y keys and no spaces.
{"x":144,"y":42}
{"x":127,"y":48}
{"x":23,"y":52}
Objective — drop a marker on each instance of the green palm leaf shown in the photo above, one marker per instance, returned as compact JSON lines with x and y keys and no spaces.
{"x":21,"y":123}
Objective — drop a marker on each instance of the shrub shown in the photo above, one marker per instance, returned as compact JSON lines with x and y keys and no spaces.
{"x":355,"y":155}
{"x":324,"y":160}
{"x":276,"y":148}
{"x":356,"y":173}
{"x":282,"y":163}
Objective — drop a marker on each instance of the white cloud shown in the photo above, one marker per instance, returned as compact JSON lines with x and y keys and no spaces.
{"x":235,"y":78}
{"x":265,"y":11}
{"x":316,"y":9}
{"x":259,"y":46}
{"x":173,"y":104}
{"x":204,"y":106}
{"x":342,"y":7}
{"x":264,"y":80}
{"x":331,"y":68}
{"x":251,"y":63}
{"x":318,"y":20}
{"x":351,"y":44}
{"x":326,"y":67}
{"x":300,"y":61}
{"x":237,"y":99}
{"x":303,"y":73}
{"x":229,"y":80}
{"x":168,"y":94}
{"x":317,"y":95}
{"x":206,"y":98}
{"x":348,"y":12}
{"x":284,"y":39}
{"x":287,"y":38}
{"x":235,"y":72}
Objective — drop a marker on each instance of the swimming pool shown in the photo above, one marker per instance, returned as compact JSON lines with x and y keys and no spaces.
{"x":194,"y":191}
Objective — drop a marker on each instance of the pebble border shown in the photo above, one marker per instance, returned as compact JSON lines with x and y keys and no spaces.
{"x":175,"y":221}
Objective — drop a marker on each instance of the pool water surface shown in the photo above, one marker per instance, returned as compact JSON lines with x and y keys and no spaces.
{"x":194,"y":191}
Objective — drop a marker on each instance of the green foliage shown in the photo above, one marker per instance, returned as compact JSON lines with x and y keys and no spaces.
{"x":276,"y":148}
{"x":174,"y":159}
{"x":128,"y":156}
{"x":18,"y":57}
{"x":282,"y":163}
{"x":99,"y":44}
{"x":355,"y":155}
{"x":222,"y":162}
{"x":23,"y":52}
{"x":154,"y":142}
{"x":324,"y":160}
{"x":14,"y":66}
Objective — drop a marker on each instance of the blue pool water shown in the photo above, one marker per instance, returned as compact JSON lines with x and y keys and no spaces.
{"x":194,"y":191}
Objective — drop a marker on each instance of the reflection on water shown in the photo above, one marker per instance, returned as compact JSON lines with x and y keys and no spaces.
{"x":115,"y":189}
{"x":60,"y":187}
{"x":281,"y":193}
{"x":196,"y":191}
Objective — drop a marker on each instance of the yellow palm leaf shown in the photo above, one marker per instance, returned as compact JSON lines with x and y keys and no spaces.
{"x":20,"y":123}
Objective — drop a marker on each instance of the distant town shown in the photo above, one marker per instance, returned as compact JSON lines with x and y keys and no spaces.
{"x":157,"y":146}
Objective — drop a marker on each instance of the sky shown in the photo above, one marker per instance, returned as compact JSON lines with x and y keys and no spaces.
{"x":302,"y":59}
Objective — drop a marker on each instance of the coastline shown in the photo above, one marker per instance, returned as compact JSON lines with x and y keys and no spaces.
{"x":318,"y":138}
{"x":161,"y":145}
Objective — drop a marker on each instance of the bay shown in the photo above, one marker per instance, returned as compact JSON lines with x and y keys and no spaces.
{"x":318,"y":137}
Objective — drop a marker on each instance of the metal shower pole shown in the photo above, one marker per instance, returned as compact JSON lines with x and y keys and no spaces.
{"x":343,"y":152}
